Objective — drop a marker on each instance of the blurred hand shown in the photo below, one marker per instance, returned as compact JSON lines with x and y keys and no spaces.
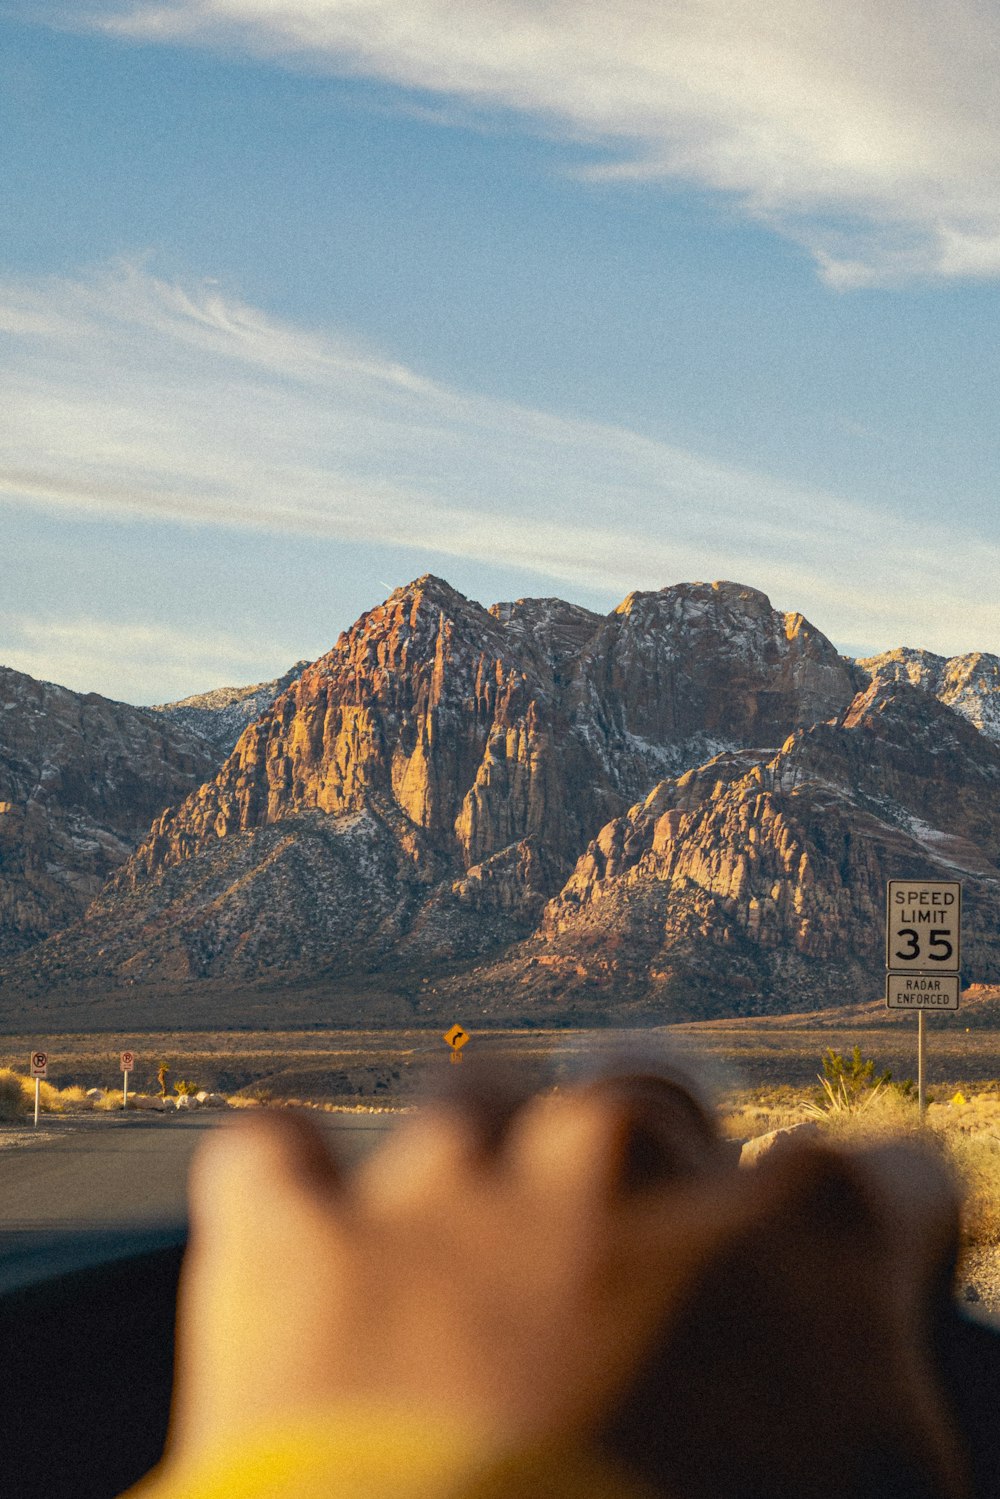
{"x":585,"y":1265}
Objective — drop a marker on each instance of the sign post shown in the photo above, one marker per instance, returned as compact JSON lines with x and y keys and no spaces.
{"x":128,"y":1065}
{"x":923,"y":940}
{"x":456,"y":1039}
{"x":39,"y":1069}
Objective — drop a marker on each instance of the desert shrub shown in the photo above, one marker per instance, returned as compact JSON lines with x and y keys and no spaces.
{"x":743,"y":1115}
{"x":53,"y":1100}
{"x":13,"y":1097}
{"x":253,"y":1093}
{"x":74,"y":1098}
{"x":850,"y":1084}
{"x":112,"y":1100}
{"x":181,"y":1088}
{"x":881,"y":1115}
{"x":49,"y":1098}
{"x":976,"y":1158}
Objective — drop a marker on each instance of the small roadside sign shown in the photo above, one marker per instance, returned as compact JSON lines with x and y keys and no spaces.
{"x":39,"y":1069}
{"x":923,"y":926}
{"x":923,"y":954}
{"x":922,"y":991}
{"x":455,"y":1038}
{"x":127,"y":1065}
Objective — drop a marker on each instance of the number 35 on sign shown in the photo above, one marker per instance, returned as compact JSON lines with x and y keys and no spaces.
{"x":923,"y":926}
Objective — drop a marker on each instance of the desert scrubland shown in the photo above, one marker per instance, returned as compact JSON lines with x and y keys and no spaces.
{"x":763,"y":1079}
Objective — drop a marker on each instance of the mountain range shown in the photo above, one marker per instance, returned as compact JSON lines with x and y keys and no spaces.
{"x":685,"y":808}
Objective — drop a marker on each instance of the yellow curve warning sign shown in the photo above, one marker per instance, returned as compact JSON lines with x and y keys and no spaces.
{"x":456,"y":1038}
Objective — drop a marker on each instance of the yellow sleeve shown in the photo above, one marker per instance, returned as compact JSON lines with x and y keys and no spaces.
{"x":379,"y":1455}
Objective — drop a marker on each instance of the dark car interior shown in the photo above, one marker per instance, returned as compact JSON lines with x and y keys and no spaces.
{"x":87,"y":1324}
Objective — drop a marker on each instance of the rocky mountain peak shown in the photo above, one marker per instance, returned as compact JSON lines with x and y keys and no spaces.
{"x":550,"y":632}
{"x":692,"y":788}
{"x":969,"y":684}
{"x":772,"y":870}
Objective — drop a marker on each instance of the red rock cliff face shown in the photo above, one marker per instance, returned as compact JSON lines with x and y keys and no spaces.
{"x":703,"y":666}
{"x":472,"y":752}
{"x":762,"y":885}
{"x":528,"y":721}
{"x":423,"y":706}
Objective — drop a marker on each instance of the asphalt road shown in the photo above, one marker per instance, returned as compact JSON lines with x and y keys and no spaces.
{"x":98,"y":1172}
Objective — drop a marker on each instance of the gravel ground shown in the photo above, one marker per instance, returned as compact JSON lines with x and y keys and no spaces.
{"x":979,"y":1283}
{"x":12,"y":1136}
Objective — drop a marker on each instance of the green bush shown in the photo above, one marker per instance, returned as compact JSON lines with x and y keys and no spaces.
{"x":181,"y":1088}
{"x":850,"y":1084}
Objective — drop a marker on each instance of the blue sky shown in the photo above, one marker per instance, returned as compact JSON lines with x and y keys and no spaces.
{"x":302,"y":298}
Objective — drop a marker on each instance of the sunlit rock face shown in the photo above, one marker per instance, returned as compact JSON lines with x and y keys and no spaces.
{"x":688,"y":806}
{"x":80,"y":779}
{"x":758,"y":883}
{"x":473,"y":752}
{"x":488,"y":727}
{"x":970,"y":684}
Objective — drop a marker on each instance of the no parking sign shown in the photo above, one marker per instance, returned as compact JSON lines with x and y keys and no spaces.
{"x":128,"y":1065}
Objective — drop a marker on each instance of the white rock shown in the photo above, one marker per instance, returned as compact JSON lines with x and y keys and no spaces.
{"x":212,"y":1100}
{"x":778,"y":1139}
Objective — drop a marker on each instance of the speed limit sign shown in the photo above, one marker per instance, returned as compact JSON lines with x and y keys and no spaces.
{"x":923,"y":929}
{"x":39,"y":1064}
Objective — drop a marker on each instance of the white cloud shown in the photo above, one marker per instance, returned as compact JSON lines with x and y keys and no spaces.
{"x":128,"y":396}
{"x":869,"y":131}
{"x":121,"y":658}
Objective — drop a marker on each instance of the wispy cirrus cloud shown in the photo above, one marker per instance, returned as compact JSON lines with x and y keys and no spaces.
{"x":868,"y":133}
{"x":130,"y":396}
{"x":66,"y":650}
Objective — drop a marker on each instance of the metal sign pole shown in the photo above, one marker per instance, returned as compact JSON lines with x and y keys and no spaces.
{"x":38,"y":1087}
{"x":921,"y":1088}
{"x":124,"y":1090}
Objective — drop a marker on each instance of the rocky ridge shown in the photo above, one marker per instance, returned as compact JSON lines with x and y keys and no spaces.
{"x":220,"y":716}
{"x":686,"y":807}
{"x":970,"y":684}
{"x":80,"y":779}
{"x":472,"y":752}
{"x":769,"y":873}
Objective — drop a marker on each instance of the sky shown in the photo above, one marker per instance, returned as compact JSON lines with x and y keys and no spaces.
{"x":300,"y":299}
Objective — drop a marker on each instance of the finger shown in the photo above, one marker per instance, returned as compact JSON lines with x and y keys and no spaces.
{"x":455,"y":1139}
{"x":668,"y":1134}
{"x":259,"y":1164}
{"x":262,"y":1248}
{"x":920,"y":1203}
{"x":570,"y":1148}
{"x":422,"y":1161}
{"x":489,"y":1095}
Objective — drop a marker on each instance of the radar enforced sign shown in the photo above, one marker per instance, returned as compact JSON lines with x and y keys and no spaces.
{"x":923,"y":944}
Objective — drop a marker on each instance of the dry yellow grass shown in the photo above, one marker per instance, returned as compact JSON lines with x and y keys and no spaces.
{"x":17,"y":1097}
{"x":966,"y":1131}
{"x":111,"y":1100}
